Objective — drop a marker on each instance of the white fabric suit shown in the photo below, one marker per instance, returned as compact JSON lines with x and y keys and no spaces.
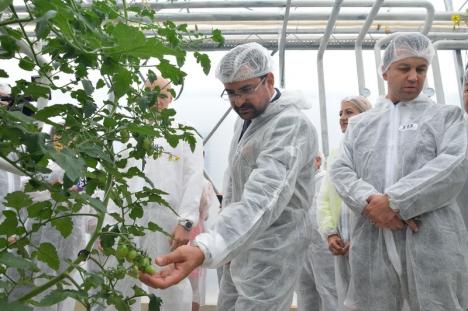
{"x":462,"y":198}
{"x":415,"y":152}
{"x":316,"y":288}
{"x":180,"y":174}
{"x":262,"y":230}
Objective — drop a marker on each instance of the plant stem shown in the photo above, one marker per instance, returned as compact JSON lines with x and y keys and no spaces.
{"x":81,"y":257}
{"x":15,"y":21}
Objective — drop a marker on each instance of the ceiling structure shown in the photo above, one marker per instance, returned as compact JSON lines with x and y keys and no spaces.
{"x":281,"y":25}
{"x":357,"y":25}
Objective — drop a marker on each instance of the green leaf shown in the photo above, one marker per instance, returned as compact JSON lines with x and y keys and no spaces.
{"x":18,"y":200}
{"x":9,"y":46}
{"x":15,"y":261}
{"x":40,"y":210}
{"x":142,"y":129}
{"x":88,"y":86}
{"x":54,"y":297}
{"x":94,"y":151}
{"x":121,"y":82}
{"x":9,"y":225}
{"x":51,"y":111}
{"x":4,"y":4}
{"x":204,"y":60}
{"x":73,"y":165}
{"x":13,"y":306}
{"x":173,"y":140}
{"x":95,"y":203}
{"x":154,"y":303}
{"x":63,"y":225}
{"x":154,"y":227}
{"x":35,"y":90}
{"x":217,"y":37}
{"x":100,"y":84}
{"x":42,"y":24}
{"x":108,"y":239}
{"x":171,"y":72}
{"x":26,"y":63}
{"x":118,"y":302}
{"x":136,"y":212}
{"x":3,"y":74}
{"x":48,"y":254}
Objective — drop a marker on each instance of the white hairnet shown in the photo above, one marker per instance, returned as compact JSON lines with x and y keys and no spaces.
{"x":245,"y":61}
{"x":360,"y":102}
{"x":404,"y":45}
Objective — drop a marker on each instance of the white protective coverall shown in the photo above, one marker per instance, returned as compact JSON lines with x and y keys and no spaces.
{"x":415,"y":152}
{"x":67,"y":248}
{"x":316,"y":287}
{"x":180,"y":174}
{"x":262,"y":232}
{"x":462,"y":198}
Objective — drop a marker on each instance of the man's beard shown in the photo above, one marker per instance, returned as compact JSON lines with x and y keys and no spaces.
{"x":254,"y":112}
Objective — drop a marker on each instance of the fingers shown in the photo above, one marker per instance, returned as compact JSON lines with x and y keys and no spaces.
{"x":160,"y":281}
{"x":412,"y":225}
{"x":172,"y":257}
{"x":394,"y":224}
{"x":337,"y":246}
{"x":346,"y":249}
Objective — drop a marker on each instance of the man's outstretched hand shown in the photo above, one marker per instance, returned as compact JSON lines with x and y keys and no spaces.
{"x":184,"y":260}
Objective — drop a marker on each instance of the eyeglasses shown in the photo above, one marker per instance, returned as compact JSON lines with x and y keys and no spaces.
{"x":230,"y":95}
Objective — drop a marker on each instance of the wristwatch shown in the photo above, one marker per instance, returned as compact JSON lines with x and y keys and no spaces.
{"x":187,"y":224}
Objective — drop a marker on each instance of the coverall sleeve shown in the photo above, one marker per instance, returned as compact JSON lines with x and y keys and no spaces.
{"x":192,"y":184}
{"x":327,"y":225}
{"x":352,"y":189}
{"x":440,"y":180}
{"x":267,"y":192}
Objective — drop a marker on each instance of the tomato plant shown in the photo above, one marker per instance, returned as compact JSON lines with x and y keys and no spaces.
{"x":79,"y":49}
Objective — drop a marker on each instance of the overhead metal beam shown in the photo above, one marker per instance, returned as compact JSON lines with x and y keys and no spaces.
{"x":313,"y":16}
{"x":358,"y":48}
{"x":438,"y":85}
{"x":282,"y":44}
{"x":321,"y":76}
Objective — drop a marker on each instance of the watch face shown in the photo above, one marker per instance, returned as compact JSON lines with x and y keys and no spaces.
{"x":188,"y":224}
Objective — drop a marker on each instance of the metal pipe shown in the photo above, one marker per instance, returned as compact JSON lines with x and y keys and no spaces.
{"x":438,"y":85}
{"x":268,"y":16}
{"x":460,"y":72}
{"x":5,"y":166}
{"x":263,"y":4}
{"x":321,"y":76}
{"x":358,"y":48}
{"x":282,"y":44}
{"x":207,"y":138}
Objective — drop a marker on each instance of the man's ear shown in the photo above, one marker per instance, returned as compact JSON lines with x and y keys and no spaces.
{"x":270,"y":80}
{"x":384,"y":75}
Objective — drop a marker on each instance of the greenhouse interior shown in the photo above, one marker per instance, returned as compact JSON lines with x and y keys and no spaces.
{"x":80,"y":73}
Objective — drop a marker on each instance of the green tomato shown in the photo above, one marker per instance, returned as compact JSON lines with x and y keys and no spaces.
{"x":134,"y":272}
{"x":131,"y":255}
{"x":150,"y":269}
{"x":144,"y":262}
{"x":147,"y":144}
{"x":120,"y":273}
{"x":121,"y":252}
{"x":124,"y":136}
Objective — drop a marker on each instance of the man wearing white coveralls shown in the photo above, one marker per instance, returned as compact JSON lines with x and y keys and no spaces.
{"x":400,"y":168}
{"x":262,"y":231}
